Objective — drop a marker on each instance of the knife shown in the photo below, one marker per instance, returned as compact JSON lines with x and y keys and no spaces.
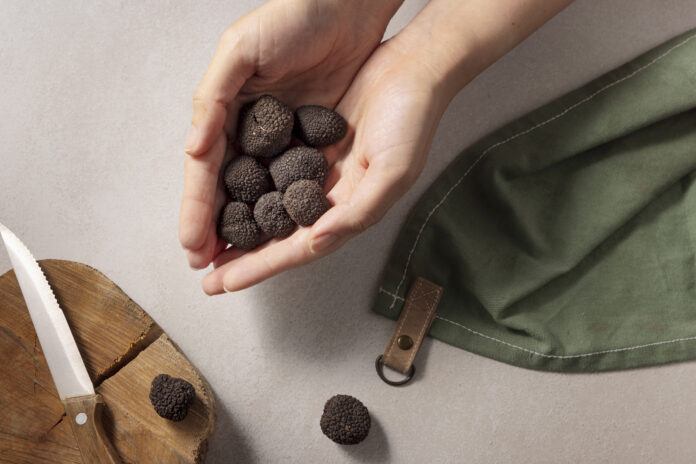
{"x":83,"y":407}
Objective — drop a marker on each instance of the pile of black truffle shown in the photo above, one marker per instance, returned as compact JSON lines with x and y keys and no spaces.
{"x":273,"y":187}
{"x":171,"y":397}
{"x":346,"y":420}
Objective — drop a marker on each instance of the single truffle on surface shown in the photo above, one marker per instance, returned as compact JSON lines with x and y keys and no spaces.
{"x":265,"y":127}
{"x":305,"y":202}
{"x":271,"y":216}
{"x":237,"y":226}
{"x":299,"y":163}
{"x":346,"y":420}
{"x":171,"y":397}
{"x":246,"y":179}
{"x":318,"y":126}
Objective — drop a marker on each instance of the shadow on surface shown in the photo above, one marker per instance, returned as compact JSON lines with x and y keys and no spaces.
{"x":321,"y":312}
{"x":228,"y":444}
{"x":374,"y":449}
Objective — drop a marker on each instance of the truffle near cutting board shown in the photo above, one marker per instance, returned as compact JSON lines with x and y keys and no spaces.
{"x":123,"y":350}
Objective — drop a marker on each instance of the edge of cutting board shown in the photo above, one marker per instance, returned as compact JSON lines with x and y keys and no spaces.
{"x":123,"y":349}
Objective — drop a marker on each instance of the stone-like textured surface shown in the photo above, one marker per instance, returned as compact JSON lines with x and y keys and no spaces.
{"x":237,"y":226}
{"x":298,"y":163}
{"x":305,"y":202}
{"x":318,"y":126}
{"x":265,"y":127}
{"x":96,"y":105}
{"x":271,"y":216}
{"x":246,"y":179}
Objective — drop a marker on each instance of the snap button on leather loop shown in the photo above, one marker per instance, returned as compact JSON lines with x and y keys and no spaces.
{"x":416,"y":317}
{"x":404,"y":342}
{"x":379,"y":365}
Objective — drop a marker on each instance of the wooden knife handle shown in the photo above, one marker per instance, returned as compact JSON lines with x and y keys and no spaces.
{"x":85,"y":416}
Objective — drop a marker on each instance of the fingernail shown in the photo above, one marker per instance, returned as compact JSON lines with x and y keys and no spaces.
{"x":227,"y":290}
{"x":194,"y":261}
{"x":322,"y":242}
{"x":191,"y":139}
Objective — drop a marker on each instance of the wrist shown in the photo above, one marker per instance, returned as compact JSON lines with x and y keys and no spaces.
{"x":458,"y":40}
{"x":382,"y":10}
{"x":447,"y":52}
{"x":443,"y":68}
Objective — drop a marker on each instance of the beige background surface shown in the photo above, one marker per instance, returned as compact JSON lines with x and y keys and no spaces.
{"x":95,"y":107}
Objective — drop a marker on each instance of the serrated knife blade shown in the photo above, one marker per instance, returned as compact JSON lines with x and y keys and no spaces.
{"x":57,"y":342}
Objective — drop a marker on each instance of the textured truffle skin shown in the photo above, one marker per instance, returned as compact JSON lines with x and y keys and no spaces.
{"x":238,"y":227}
{"x":271,"y":216}
{"x":299,"y":163}
{"x":246,"y":179}
{"x":265,"y":127}
{"x":318,"y":126}
{"x":171,"y":397}
{"x":346,"y":420}
{"x":305,"y":202}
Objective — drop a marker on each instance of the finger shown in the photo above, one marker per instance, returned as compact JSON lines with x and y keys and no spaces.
{"x":230,"y":67}
{"x":199,"y":197}
{"x":256,"y":266}
{"x":368,"y":202}
{"x":335,"y":152}
{"x":332,"y":179}
{"x":219,"y":249}
{"x":213,"y":245}
{"x":201,"y":258}
{"x":342,"y":179}
{"x":227,"y":255}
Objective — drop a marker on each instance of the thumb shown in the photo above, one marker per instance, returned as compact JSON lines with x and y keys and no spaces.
{"x":228,"y":71}
{"x":366,"y":205}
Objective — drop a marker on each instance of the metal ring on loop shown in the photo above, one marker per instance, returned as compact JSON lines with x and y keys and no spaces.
{"x":379,"y":365}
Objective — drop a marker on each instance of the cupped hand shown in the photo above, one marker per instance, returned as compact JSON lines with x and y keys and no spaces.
{"x":392,"y":108}
{"x":300,"y":51}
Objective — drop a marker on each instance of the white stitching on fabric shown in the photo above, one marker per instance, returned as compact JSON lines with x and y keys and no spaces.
{"x":393,"y":295}
{"x":431,"y":307}
{"x":550,"y":355}
{"x":569,"y":356}
{"x":487,"y":150}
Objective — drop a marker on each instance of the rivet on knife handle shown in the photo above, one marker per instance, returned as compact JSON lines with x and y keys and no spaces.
{"x":73,"y":384}
{"x":85,"y":416}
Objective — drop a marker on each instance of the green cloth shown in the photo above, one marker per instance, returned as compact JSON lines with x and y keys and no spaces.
{"x":566,"y":240}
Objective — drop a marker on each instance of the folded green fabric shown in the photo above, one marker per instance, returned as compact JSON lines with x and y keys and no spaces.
{"x":566,"y":240}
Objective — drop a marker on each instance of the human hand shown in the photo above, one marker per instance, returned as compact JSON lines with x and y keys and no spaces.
{"x":300,"y":51}
{"x":392,"y":108}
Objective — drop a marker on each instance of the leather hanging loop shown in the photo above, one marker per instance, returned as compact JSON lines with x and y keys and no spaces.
{"x":413,"y":324}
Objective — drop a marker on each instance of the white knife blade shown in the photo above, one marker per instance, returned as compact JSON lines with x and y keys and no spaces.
{"x":57,"y":342}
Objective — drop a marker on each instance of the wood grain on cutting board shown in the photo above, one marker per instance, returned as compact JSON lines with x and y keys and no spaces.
{"x":123,"y":349}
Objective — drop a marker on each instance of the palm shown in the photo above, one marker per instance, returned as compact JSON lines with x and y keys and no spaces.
{"x":305,"y":53}
{"x":302,"y":53}
{"x":394,"y":122}
{"x":391,"y":120}
{"x":295,"y":67}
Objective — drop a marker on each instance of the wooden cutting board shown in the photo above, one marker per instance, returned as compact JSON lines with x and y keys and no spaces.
{"x":123,"y":350}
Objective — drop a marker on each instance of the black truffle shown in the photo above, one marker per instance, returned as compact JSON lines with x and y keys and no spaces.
{"x":318,"y":126}
{"x":265,"y":127}
{"x":271,"y":216}
{"x":171,"y":397}
{"x":299,"y":163}
{"x":246,"y":179}
{"x":237,"y":226}
{"x":346,"y":420}
{"x":305,"y":202}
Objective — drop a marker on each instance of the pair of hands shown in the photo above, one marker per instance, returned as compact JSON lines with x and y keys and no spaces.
{"x":310,"y":52}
